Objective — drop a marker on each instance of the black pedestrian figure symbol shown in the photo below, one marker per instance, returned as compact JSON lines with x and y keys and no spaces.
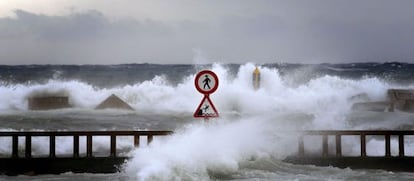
{"x":206,"y":82}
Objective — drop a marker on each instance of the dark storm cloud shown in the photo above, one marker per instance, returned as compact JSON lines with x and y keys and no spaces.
{"x":297,"y":31}
{"x":77,"y":39}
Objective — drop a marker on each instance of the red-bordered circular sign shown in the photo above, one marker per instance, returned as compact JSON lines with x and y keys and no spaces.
{"x":206,"y":82}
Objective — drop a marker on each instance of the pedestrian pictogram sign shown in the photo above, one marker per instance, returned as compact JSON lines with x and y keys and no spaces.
{"x":206,"y":83}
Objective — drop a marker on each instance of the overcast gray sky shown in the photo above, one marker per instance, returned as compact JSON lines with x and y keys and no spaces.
{"x":195,"y":31}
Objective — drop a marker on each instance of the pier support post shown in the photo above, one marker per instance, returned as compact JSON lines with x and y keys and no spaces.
{"x":28,"y":148}
{"x":149,"y":139}
{"x":387,"y":145}
{"x":338,"y":145}
{"x":89,"y":146}
{"x":52,"y":146}
{"x":76,"y":146}
{"x":363,"y":145}
{"x":325,"y":145}
{"x":136,"y":141}
{"x":113,"y":146}
{"x":301,"y":147}
{"x":15,"y":146}
{"x":401,"y":146}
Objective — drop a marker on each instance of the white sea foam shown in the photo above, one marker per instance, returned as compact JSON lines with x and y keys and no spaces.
{"x":199,"y":149}
{"x":250,"y":126}
{"x":321,"y":96}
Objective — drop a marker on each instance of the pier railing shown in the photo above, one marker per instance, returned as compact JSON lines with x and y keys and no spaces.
{"x":329,"y":154}
{"x":337,"y":134}
{"x":362,"y":134}
{"x":28,"y":135}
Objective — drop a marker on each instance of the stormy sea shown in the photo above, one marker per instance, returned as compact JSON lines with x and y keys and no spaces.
{"x":247,"y":142}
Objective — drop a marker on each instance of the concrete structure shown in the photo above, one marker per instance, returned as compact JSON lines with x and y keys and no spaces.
{"x":114,"y":102}
{"x":398,"y":99}
{"x":401,"y":100}
{"x":48,"y":102}
{"x":373,"y":106}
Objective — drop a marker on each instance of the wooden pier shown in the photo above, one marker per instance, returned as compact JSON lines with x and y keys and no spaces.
{"x":20,"y":160}
{"x":25,"y":163}
{"x":396,"y":162}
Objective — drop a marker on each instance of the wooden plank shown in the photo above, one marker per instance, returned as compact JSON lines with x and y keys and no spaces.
{"x":359,"y":132}
{"x":84,"y":133}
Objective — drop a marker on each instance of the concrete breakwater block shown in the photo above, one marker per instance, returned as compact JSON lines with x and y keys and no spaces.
{"x":398,"y":99}
{"x":114,"y":102}
{"x":48,"y":102}
{"x":401,"y":94}
{"x":402,"y":99}
{"x":372,"y":106}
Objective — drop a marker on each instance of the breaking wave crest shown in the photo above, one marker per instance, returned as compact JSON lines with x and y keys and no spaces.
{"x":251,"y":128}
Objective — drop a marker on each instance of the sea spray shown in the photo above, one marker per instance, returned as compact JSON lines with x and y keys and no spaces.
{"x":326,"y":100}
{"x":292,"y":97}
{"x":215,"y":147}
{"x":235,"y":93}
{"x":323,"y":102}
{"x":203,"y":149}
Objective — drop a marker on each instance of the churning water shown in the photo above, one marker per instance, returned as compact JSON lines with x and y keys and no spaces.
{"x":248,"y":141}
